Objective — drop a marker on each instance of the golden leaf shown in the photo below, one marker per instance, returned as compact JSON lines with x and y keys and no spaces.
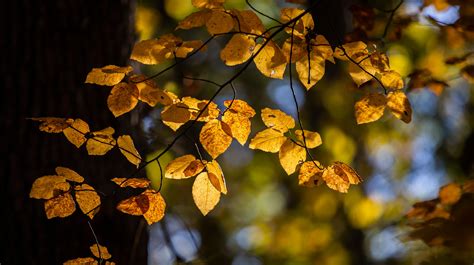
{"x":303,"y":24}
{"x":76,"y":132}
{"x":215,"y":137}
{"x":392,"y":80}
{"x":47,"y":187}
{"x":399,"y":105}
{"x":353,"y":50}
{"x":100,"y":251}
{"x":268,"y":140}
{"x":187,"y":47}
{"x":149,"y":92}
{"x":183,"y":167}
{"x":238,"y":118}
{"x":208,"y":3}
{"x":122,"y":99}
{"x":450,"y":193}
{"x":248,"y":21}
{"x":238,"y":50}
{"x":196,"y":106}
{"x":310,"y":71}
{"x":195,"y":20}
{"x":52,"y":124}
{"x":101,"y":142}
{"x":136,"y":205}
{"x":156,"y":210}
{"x":291,"y":155}
{"x":310,"y":174}
{"x":271,"y":61}
{"x":277,"y":119}
{"x":205,"y":196}
{"x":82,"y":261}
{"x":339,"y":176}
{"x":60,"y":206}
{"x":216,"y":176}
{"x":127,"y":148}
{"x":175,"y":115}
{"x":87,"y":199}
{"x":219,"y":22}
{"x":240,"y":107}
{"x":313,"y":139}
{"x":69,"y":174}
{"x":370,"y":108}
{"x":131,"y":182}
{"x":109,"y":75}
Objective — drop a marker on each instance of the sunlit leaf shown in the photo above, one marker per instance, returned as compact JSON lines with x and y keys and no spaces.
{"x":205,"y":195}
{"x":174,"y":116}
{"x":52,"y":124}
{"x":339,"y":176}
{"x":271,"y":61}
{"x":291,"y":155}
{"x":248,"y":21}
{"x":195,"y":20}
{"x":238,"y":50}
{"x":109,"y":75}
{"x":302,"y":25}
{"x":100,"y":252}
{"x":156,"y":209}
{"x":219,"y":22}
{"x":399,"y":105}
{"x":310,"y":174}
{"x":101,"y":142}
{"x":87,"y":199}
{"x":149,"y":92}
{"x":370,"y":108}
{"x":60,"y":206}
{"x":392,"y":80}
{"x":268,"y":140}
{"x":277,"y":119}
{"x":313,"y":139}
{"x":47,"y":187}
{"x":131,"y":182}
{"x":215,"y":137}
{"x":127,"y":148}
{"x":76,"y":132}
{"x":183,"y":167}
{"x":122,"y":99}
{"x":238,"y":118}
{"x":69,"y":174}
{"x":136,"y":205}
{"x":216,"y":176}
{"x":81,"y":261}
{"x":208,"y":3}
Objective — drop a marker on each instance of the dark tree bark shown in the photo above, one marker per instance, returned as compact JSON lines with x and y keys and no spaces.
{"x":49,"y":48}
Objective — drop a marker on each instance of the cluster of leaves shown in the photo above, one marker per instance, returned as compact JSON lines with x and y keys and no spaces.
{"x":100,"y":254}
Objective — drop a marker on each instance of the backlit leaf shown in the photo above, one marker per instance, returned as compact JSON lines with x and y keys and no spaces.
{"x":205,"y":195}
{"x":69,"y":174}
{"x":450,"y":193}
{"x":238,"y":118}
{"x":399,"y":105}
{"x":149,"y":92}
{"x":216,"y":176}
{"x":122,"y":99}
{"x":101,"y":142}
{"x":195,"y":20}
{"x":313,"y":139}
{"x":271,"y":61}
{"x":82,"y":261}
{"x":215,"y":137}
{"x":109,"y":75}
{"x":183,"y":167}
{"x":156,"y":209}
{"x":47,"y":187}
{"x":238,"y":50}
{"x":60,"y":206}
{"x":392,"y":80}
{"x":302,"y":25}
{"x":339,"y":176}
{"x":370,"y":108}
{"x":219,"y":22}
{"x":310,"y":174}
{"x":291,"y":155}
{"x":175,"y":115}
{"x":87,"y":199}
{"x":208,"y":3}
{"x":136,"y":205}
{"x":268,"y":140}
{"x":100,"y":252}
{"x":277,"y":119}
{"x":248,"y":21}
{"x":52,"y":124}
{"x":127,"y":148}
{"x":76,"y":132}
{"x":131,"y":182}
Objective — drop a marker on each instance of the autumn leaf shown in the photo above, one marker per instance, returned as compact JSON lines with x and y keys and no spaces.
{"x":313,"y":139}
{"x":127,"y":148}
{"x":205,"y":195}
{"x":136,"y":205}
{"x":196,"y":106}
{"x":149,"y":203}
{"x":339,"y":176}
{"x":87,"y":199}
{"x":291,"y":155}
{"x":277,"y":119}
{"x":100,"y":251}
{"x":69,"y":174}
{"x":175,"y":115}
{"x":101,"y":142}
{"x":215,"y":137}
{"x":422,"y":78}
{"x":271,"y":61}
{"x":392,"y":80}
{"x":109,"y":75}
{"x":183,"y":167}
{"x":208,"y":3}
{"x":52,"y":124}
{"x":47,"y":187}
{"x":370,"y":108}
{"x":303,"y":24}
{"x":149,"y":92}
{"x":399,"y":105}
{"x":81,"y":261}
{"x":195,"y":20}
{"x":310,"y":174}
{"x":219,"y":22}
{"x":450,"y":194}
{"x":60,"y":206}
{"x":132,"y":182}
{"x":216,"y":176}
{"x":247,"y":21}
{"x":237,"y":117}
{"x":268,"y":140}
{"x":122,"y":99}
{"x":76,"y":132}
{"x":238,"y":50}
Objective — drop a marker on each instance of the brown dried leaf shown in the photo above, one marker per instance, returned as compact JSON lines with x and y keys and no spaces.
{"x":205,"y":196}
{"x":268,"y":140}
{"x":87,"y":199}
{"x":60,"y":206}
{"x":131,"y":182}
{"x":277,"y":119}
{"x":47,"y":187}
{"x":101,"y":142}
{"x":399,"y":105}
{"x":215,"y":137}
{"x":370,"y":108}
{"x":127,"y":148}
{"x":291,"y":155}
{"x":52,"y":124}
{"x":310,"y":175}
{"x":216,"y":176}
{"x":100,"y":251}
{"x":109,"y":75}
{"x":69,"y":174}
{"x":183,"y":167}
{"x":122,"y":99}
{"x":238,"y":50}
{"x":76,"y":132}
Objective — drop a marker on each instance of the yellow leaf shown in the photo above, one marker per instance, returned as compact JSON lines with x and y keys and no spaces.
{"x":392,"y":80}
{"x":175,"y":115}
{"x":271,"y":61}
{"x":122,"y":99}
{"x":126,"y":146}
{"x":208,"y":3}
{"x":196,"y":106}
{"x":215,"y":137}
{"x":313,"y":139}
{"x":183,"y":167}
{"x":240,"y":107}
{"x":69,"y":174}
{"x":268,"y":140}
{"x":302,"y":25}
{"x":291,"y":155}
{"x":131,"y":182}
{"x":156,"y":210}
{"x":100,"y":251}
{"x":219,"y":22}
{"x":238,"y":50}
{"x":53,"y":125}
{"x":87,"y":199}
{"x":248,"y":21}
{"x":353,"y":50}
{"x":109,"y":75}
{"x":450,"y":194}
{"x":82,"y":261}
{"x":149,"y":92}
{"x":76,"y":132}
{"x":101,"y":142}
{"x":310,"y":71}
{"x":339,"y":176}
{"x":195,"y":20}
{"x":216,"y":176}
{"x":185,"y":48}
{"x":277,"y":119}
{"x":399,"y":105}
{"x":310,"y":174}
{"x":370,"y":108}
{"x":136,"y":205}
{"x":205,"y":196}
{"x":238,"y":118}
{"x":47,"y":187}
{"x":60,"y":206}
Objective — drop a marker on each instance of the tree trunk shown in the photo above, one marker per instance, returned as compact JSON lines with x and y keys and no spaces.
{"x":49,"y":48}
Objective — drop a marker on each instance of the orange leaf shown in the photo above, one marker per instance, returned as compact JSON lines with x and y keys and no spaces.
{"x":69,"y":174}
{"x":370,"y":108}
{"x":122,"y":99}
{"x":219,"y":22}
{"x":76,"y":132}
{"x":109,"y":75}
{"x":339,"y":176}
{"x":310,"y":175}
{"x":450,"y":193}
{"x":131,"y":182}
{"x":216,"y":176}
{"x":100,"y":252}
{"x":291,"y":155}
{"x":156,"y":210}
{"x":60,"y":206}
{"x":47,"y":187}
{"x":277,"y":119}
{"x":87,"y":199}
{"x":101,"y":142}
{"x":127,"y":148}
{"x":205,"y":195}
{"x":238,"y":118}
{"x":53,"y":125}
{"x":183,"y":167}
{"x":399,"y":105}
{"x":238,"y":50}
{"x":215,"y":137}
